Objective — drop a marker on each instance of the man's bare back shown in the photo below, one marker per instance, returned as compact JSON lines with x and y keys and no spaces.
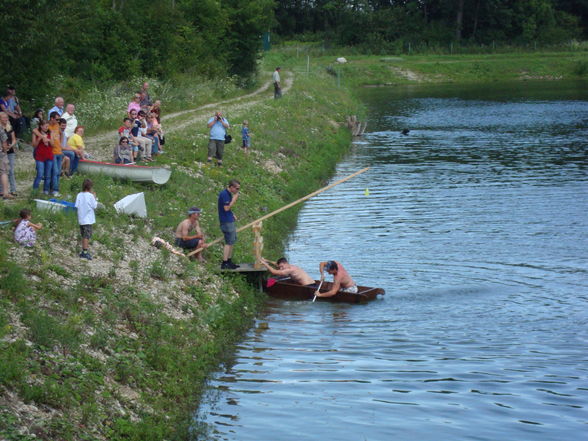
{"x":297,"y":274}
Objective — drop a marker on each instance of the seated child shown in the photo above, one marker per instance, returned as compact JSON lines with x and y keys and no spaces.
{"x":24,"y":233}
{"x":126,"y":131}
{"x":123,"y":153}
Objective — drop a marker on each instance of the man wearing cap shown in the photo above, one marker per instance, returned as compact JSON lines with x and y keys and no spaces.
{"x":226,"y":200}
{"x":342,"y":281}
{"x":184,"y":239}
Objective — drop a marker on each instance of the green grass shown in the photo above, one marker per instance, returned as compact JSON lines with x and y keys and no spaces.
{"x":78,"y":342}
{"x":364,"y":70}
{"x":82,"y":341}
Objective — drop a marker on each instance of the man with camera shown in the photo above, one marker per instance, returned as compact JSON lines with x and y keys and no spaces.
{"x":216,"y":144}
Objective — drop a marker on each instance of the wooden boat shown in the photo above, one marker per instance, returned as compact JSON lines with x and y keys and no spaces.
{"x":286,"y":289}
{"x":136,"y":173}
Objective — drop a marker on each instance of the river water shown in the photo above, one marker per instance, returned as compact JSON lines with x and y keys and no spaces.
{"x":476,"y":225}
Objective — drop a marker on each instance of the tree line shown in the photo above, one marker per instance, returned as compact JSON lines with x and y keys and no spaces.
{"x":46,"y":41}
{"x":383,"y":25}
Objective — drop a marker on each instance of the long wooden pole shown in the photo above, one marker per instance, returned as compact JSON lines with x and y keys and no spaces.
{"x":285,"y":207}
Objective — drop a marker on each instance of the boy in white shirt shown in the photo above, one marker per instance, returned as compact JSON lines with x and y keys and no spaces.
{"x":86,"y":203}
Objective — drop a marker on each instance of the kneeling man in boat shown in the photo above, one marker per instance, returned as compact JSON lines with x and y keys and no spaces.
{"x":298,"y":275}
{"x":184,"y":239}
{"x":342,"y":281}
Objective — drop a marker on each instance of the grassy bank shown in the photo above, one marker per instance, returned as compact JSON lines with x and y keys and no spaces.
{"x":361,"y":70}
{"x":119,"y":348}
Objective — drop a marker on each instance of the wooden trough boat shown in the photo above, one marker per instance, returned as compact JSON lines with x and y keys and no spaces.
{"x":136,"y":173}
{"x":287,"y":290}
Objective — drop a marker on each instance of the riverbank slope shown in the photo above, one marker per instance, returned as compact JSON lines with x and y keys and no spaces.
{"x":119,"y":347}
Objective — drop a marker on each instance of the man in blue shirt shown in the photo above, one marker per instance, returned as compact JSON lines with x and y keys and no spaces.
{"x":216,"y":144}
{"x":58,"y":107}
{"x":226,"y":199}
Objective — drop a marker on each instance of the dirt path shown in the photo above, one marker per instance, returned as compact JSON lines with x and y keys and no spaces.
{"x":100,"y":146}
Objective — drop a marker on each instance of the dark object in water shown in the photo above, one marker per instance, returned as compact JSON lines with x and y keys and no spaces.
{"x":405,"y":131}
{"x":288,"y":290}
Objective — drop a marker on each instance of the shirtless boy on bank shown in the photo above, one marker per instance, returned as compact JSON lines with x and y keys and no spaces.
{"x":342,"y":281}
{"x":297,"y":274}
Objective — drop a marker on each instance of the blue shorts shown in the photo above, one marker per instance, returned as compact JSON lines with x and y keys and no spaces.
{"x":230,"y":232}
{"x":191,"y":244}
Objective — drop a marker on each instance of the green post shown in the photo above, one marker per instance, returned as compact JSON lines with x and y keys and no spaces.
{"x":265,"y":38}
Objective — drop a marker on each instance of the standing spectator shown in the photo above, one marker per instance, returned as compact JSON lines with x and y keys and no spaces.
{"x":10,"y":152}
{"x":43,"y":155}
{"x":226,"y":200}
{"x":65,"y":165}
{"x":246,"y":136}
{"x":135,"y":104}
{"x":146,"y":102}
{"x":56,"y":128}
{"x":25,"y":232}
{"x":4,"y":165}
{"x":86,"y":203}
{"x":10,"y":104}
{"x":37,"y":118}
{"x":277,"y":83}
{"x":216,"y":144}
{"x":58,"y":107}
{"x":70,"y":117}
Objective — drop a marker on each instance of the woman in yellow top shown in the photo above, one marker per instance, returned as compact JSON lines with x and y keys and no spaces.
{"x":75,"y":144}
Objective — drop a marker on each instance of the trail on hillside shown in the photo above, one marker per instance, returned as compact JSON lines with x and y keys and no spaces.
{"x":100,"y":146}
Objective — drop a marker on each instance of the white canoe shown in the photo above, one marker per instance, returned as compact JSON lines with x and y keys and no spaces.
{"x":54,"y":205}
{"x":136,"y":173}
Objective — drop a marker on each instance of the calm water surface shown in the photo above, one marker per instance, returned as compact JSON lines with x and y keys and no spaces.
{"x":476,"y":226}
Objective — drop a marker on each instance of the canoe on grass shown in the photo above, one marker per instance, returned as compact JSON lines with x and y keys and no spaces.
{"x":55,"y":205}
{"x":286,"y":289}
{"x":136,"y":173}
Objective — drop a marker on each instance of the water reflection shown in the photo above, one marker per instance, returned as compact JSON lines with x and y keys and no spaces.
{"x":475,"y":224}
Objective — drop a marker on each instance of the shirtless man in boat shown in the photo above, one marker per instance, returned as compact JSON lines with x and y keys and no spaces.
{"x":297,"y":274}
{"x":342,"y":281}
{"x":184,"y":239}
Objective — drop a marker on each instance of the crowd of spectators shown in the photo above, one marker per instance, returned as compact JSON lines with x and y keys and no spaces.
{"x":140,"y":137}
{"x":58,"y":142}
